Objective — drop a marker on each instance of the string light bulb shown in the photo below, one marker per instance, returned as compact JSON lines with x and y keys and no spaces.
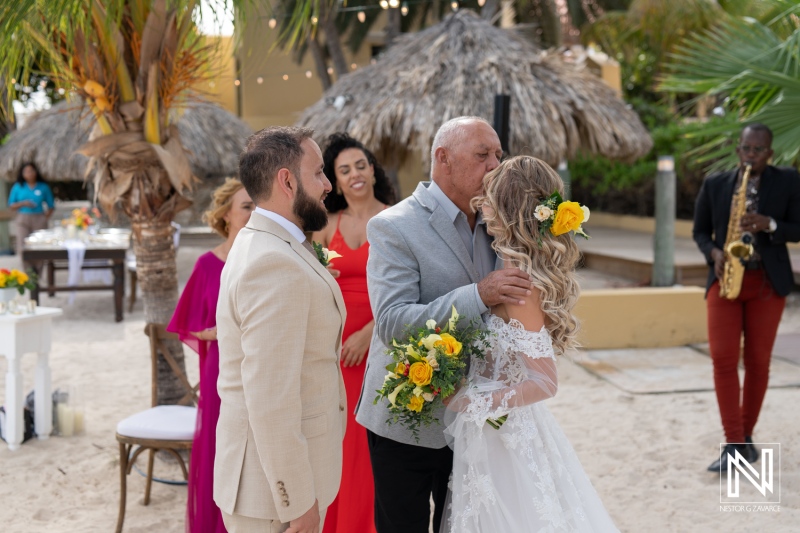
{"x":259,"y":80}
{"x":285,"y":77}
{"x":384,"y":4}
{"x":237,"y":82}
{"x":314,"y":20}
{"x":308,"y":74}
{"x":272,"y":23}
{"x":454,"y":5}
{"x":353,"y":66}
{"x":330,"y":71}
{"x":481,"y":3}
{"x":404,"y":9}
{"x":394,"y":4}
{"x":362,"y":17}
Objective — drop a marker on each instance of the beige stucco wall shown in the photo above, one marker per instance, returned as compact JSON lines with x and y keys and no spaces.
{"x":642,"y":317}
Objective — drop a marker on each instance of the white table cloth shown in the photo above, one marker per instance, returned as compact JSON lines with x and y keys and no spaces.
{"x":20,"y":335}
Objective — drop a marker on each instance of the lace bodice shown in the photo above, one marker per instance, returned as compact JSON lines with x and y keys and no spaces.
{"x":509,"y":343}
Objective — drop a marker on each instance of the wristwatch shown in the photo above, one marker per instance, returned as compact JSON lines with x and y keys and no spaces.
{"x":772,"y":225}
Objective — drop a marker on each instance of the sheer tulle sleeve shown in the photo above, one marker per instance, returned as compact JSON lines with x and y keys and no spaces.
{"x":197,"y":306}
{"x":519,"y":370}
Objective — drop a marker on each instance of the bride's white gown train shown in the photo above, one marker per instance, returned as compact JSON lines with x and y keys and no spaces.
{"x":524,"y":477}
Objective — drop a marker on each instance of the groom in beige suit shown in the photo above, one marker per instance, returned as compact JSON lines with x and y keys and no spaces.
{"x":279,"y":324}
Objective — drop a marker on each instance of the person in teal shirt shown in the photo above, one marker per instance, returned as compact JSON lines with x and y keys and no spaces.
{"x":33,"y":200}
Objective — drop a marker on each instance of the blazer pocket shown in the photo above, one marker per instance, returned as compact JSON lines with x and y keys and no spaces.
{"x":314,"y":426}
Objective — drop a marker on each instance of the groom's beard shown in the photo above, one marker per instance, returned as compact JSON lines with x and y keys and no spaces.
{"x":311,"y":214}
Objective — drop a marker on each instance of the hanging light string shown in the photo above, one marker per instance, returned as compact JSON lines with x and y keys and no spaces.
{"x":382,"y":5}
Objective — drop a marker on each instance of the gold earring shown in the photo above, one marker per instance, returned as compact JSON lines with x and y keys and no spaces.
{"x":338,"y":189}
{"x":374,"y":180}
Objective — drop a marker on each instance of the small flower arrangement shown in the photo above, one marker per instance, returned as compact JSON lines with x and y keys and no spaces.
{"x":426,"y":368}
{"x":324,"y":255}
{"x":81,"y":218}
{"x":560,"y":217}
{"x":17,"y":279}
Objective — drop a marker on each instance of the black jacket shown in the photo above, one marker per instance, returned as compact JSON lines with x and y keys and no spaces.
{"x":778,"y":197}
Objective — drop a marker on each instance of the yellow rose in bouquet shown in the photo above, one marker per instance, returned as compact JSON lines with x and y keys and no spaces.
{"x":426,"y":367}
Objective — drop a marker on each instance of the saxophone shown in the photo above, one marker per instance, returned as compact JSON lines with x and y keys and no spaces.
{"x":738,"y":244}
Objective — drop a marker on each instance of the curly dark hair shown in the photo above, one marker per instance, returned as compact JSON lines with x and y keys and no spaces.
{"x":31,"y":164}
{"x":336,"y":144}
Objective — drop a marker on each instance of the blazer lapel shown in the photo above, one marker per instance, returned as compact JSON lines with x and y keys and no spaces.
{"x":261,"y":223}
{"x":312,"y":260}
{"x":442,"y":224}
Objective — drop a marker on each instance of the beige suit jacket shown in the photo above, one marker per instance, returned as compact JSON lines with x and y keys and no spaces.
{"x":282,"y":418}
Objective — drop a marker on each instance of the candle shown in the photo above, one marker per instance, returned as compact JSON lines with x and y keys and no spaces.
{"x":2,"y":308}
{"x":66,"y":420}
{"x":78,"y":422}
{"x":32,"y":307}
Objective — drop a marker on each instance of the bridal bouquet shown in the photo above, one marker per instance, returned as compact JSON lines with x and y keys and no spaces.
{"x":427,"y":366}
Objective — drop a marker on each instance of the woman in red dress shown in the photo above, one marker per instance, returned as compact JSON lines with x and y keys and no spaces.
{"x":361,"y":190}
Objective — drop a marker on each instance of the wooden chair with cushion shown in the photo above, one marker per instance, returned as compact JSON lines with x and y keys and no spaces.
{"x":168,"y":428}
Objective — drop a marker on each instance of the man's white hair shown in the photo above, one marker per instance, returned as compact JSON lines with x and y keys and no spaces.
{"x":452,"y":133}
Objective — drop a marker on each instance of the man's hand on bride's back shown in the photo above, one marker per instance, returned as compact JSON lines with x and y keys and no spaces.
{"x":505,"y":286}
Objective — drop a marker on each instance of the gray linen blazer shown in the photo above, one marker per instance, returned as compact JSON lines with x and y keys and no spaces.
{"x":418,"y":268}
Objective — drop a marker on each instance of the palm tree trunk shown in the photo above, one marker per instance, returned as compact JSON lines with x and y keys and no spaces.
{"x":158,"y":277}
{"x":334,"y":41}
{"x":319,"y":62}
{"x":392,"y":25}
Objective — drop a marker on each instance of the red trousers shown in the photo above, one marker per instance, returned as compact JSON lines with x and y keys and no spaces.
{"x":756,"y":313}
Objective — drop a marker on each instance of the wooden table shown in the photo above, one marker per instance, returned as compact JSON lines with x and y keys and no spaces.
{"x":42,"y":247}
{"x":21,"y":334}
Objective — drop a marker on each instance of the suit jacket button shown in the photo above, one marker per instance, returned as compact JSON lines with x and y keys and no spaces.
{"x":286,"y":503}
{"x":341,"y":408}
{"x":280,"y":483}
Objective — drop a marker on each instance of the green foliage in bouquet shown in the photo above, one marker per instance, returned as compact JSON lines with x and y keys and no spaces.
{"x":427,"y":366}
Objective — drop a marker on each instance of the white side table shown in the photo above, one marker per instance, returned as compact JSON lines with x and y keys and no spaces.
{"x":21,"y":334}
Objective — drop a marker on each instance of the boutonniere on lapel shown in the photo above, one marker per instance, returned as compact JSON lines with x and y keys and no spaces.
{"x":324,"y":255}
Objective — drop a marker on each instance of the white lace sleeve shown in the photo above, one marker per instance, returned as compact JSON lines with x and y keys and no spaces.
{"x":519,"y":370}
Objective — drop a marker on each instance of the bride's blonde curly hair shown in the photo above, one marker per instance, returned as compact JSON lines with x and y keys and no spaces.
{"x":512,"y":191}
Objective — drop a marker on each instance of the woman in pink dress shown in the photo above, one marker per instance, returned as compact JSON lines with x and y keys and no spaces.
{"x":361,"y":190}
{"x":195,"y":322}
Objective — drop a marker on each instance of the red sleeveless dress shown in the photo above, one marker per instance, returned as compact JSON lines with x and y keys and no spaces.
{"x":353,"y":509}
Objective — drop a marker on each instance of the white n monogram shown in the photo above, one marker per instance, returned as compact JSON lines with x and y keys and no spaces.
{"x":738,"y":464}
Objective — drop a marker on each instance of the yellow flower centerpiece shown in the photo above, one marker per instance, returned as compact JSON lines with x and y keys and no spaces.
{"x":81,"y":218}
{"x":17,"y":279}
{"x":426,"y":368}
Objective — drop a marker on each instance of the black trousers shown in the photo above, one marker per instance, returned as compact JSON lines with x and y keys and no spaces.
{"x":405,"y":477}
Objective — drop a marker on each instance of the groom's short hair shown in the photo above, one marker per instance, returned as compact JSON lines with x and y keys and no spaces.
{"x":267,"y":151}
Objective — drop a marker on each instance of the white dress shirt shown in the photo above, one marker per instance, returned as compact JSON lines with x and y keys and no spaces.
{"x":285,"y":223}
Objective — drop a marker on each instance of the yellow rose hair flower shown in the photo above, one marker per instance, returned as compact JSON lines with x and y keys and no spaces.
{"x":569,"y":217}
{"x":560,"y":217}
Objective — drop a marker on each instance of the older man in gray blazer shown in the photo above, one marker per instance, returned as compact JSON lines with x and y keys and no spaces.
{"x":428,"y":253}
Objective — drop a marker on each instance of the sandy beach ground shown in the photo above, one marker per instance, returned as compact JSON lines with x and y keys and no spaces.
{"x":646,"y":454}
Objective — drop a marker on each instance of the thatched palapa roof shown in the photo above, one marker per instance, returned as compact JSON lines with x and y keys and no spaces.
{"x":455,"y":68}
{"x":213,"y":138}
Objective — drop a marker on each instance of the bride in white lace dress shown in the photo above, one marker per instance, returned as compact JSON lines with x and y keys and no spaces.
{"x":524,"y":476}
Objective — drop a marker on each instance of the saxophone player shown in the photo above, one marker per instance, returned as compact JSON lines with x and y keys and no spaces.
{"x":768,"y":218}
